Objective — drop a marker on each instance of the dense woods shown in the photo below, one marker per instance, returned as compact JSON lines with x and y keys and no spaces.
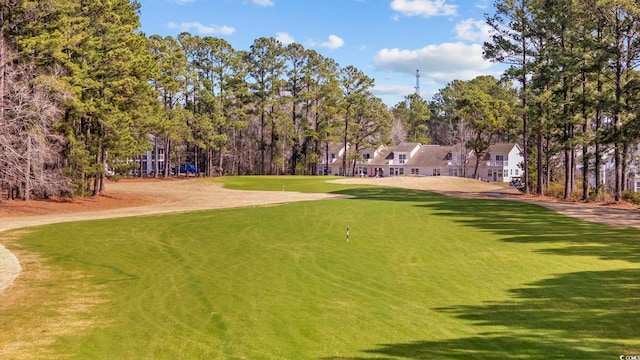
{"x":85,"y":94}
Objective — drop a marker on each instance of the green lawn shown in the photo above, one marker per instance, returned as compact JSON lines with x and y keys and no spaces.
{"x":423,"y":276}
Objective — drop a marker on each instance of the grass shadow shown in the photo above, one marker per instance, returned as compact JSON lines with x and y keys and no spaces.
{"x":586,"y":315}
{"x":575,"y":315}
{"x":521,"y":222}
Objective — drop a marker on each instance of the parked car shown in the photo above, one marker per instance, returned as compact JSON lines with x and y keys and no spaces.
{"x":515,"y":182}
{"x":190,"y":168}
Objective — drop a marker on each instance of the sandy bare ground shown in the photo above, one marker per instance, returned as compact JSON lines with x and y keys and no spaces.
{"x":135,"y":198}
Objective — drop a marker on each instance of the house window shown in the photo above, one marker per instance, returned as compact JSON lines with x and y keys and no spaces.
{"x":499,"y":157}
{"x":436,"y":172}
{"x":366,"y":156}
{"x":415,"y":171}
{"x":402,"y":158}
{"x":517,"y":172}
{"x":449,"y":156}
{"x":401,"y":171}
{"x":453,"y":172}
{"x":500,"y":174}
{"x":329,"y":171}
{"x":637,"y":186}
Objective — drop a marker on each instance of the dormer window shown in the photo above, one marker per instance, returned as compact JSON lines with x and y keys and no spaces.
{"x":402,"y":158}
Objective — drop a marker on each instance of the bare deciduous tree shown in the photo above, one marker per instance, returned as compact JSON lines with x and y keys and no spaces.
{"x":30,"y":150}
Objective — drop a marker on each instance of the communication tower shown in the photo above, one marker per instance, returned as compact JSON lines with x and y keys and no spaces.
{"x":417,"y":82}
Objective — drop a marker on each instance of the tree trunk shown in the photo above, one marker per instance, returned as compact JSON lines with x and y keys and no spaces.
{"x":540,"y":165}
{"x":220,"y":164}
{"x":167,"y":158}
{"x":567,"y":174}
{"x":625,"y":159}
{"x":102,"y":174}
{"x":326,"y":155}
{"x":525,"y":126}
{"x":156,"y":153}
{"x":27,"y":171}
{"x":586,"y":130}
{"x":96,"y":179}
{"x":618,"y":171}
{"x":210,"y":162}
{"x":262,"y":143}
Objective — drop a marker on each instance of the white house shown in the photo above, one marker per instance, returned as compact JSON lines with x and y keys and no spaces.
{"x":330,"y":163}
{"x":365,"y":167}
{"x":607,"y":170}
{"x":147,"y":160}
{"x":499,"y":164}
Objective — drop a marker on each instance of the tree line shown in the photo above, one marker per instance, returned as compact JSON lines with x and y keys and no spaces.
{"x":82,"y":89}
{"x":575,"y":62}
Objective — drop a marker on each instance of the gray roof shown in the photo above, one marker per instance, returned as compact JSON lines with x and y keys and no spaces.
{"x":501,"y":148}
{"x":430,"y":156}
{"x":335,"y":148}
{"x":405,"y":147}
{"x":381,"y":159}
{"x":498,"y":149}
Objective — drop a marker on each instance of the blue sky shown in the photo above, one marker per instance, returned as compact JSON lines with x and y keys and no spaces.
{"x":386,"y":39}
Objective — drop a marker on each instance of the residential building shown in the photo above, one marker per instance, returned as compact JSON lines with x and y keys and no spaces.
{"x":607,"y":170}
{"x":330,"y":163}
{"x":499,"y":164}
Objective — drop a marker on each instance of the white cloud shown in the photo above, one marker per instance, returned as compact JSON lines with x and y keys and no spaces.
{"x":203,"y":29}
{"x":333,"y":43}
{"x":473,"y":30}
{"x":263,"y":2}
{"x":442,"y":63}
{"x":424,"y":8}
{"x":393,"y":90}
{"x":482,"y":4}
{"x":284,"y":38}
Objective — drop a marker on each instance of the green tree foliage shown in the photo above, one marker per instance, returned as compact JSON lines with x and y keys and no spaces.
{"x":371,"y":126}
{"x":322,"y":98}
{"x":577,"y":64}
{"x":272,"y":109}
{"x":414,"y":113}
{"x":474,"y":114}
{"x":266,"y":67}
{"x":354,"y":85}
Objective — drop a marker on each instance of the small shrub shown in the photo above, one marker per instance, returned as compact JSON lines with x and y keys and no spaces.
{"x":555,"y":190}
{"x":631,"y":196}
